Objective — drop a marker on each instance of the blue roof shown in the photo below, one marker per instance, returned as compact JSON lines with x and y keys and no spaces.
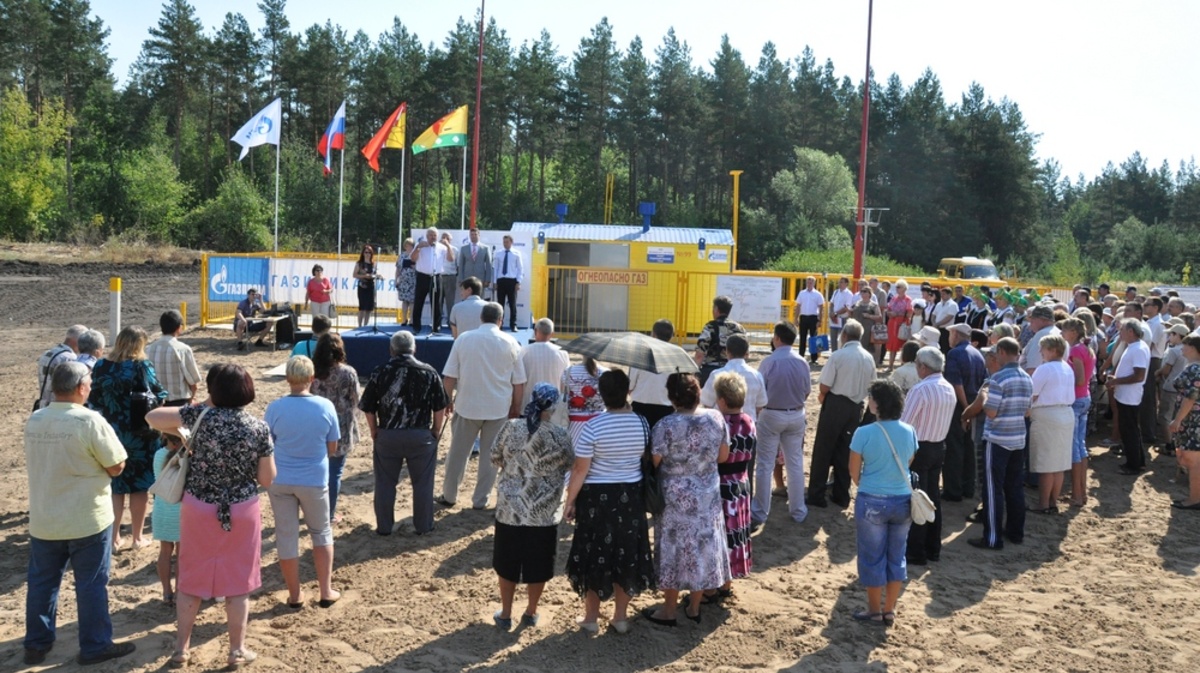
{"x":619,"y":232}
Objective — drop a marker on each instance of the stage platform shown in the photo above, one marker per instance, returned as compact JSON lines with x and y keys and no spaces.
{"x":367,"y":347}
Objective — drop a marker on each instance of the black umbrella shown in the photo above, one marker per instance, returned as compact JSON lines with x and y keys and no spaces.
{"x":634,"y":349}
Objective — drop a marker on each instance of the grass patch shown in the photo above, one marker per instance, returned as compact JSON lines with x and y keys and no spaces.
{"x":113,"y":251}
{"x":842,"y":262}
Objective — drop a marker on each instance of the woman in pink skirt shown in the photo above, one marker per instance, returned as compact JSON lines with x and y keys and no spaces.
{"x":231,"y":456}
{"x":899,"y":312}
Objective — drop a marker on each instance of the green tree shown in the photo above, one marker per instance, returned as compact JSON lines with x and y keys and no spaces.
{"x":154,"y":194}
{"x":236,"y":219}
{"x":591,"y":98}
{"x":31,"y":167}
{"x":815,"y":195}
{"x":174,"y":56}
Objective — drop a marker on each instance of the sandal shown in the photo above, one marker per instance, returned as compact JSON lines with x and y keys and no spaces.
{"x":872,"y":617}
{"x":889,"y":618}
{"x":169,"y":600}
{"x":694,"y":619}
{"x":179,"y":659}
{"x":648,"y":613}
{"x":241,"y":657}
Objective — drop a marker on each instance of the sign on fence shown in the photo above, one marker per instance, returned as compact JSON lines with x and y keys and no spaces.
{"x":230,"y":277}
{"x":589,"y":277}
{"x":755,"y":300}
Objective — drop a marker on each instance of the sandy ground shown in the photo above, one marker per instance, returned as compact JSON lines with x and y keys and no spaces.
{"x":1112,"y":587}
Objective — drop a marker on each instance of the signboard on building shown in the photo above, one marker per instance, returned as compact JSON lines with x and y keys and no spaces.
{"x":590,"y":277}
{"x":660,"y":255}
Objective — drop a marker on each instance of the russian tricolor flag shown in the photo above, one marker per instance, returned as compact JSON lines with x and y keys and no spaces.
{"x":334,"y":137}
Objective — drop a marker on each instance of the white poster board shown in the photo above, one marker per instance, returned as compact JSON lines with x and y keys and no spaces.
{"x":289,"y":279}
{"x":755,"y":300}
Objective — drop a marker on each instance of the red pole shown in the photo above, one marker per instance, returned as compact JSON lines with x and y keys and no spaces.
{"x":475,"y":137}
{"x":860,"y":214}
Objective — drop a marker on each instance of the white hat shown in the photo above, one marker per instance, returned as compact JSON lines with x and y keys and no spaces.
{"x":928,"y":336}
{"x":962,"y":328}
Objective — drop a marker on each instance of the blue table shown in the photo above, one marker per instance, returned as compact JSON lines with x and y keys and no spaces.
{"x":368,"y":348}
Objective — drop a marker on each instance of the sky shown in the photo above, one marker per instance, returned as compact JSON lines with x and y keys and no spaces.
{"x":1095,"y":80}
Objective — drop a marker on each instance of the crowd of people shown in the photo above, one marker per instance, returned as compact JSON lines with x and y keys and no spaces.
{"x":996,"y":391}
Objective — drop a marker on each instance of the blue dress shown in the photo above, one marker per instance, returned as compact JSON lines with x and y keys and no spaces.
{"x":112,"y":383}
{"x":164,"y":518}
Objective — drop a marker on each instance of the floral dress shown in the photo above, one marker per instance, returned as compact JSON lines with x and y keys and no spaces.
{"x":112,"y":383}
{"x":1188,"y":385}
{"x":581,"y":391}
{"x":406,"y":286}
{"x":691,"y":551}
{"x":341,"y":388}
{"x":735,"y":491}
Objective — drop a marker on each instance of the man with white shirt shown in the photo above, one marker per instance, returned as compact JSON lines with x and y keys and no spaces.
{"x":756,"y":391}
{"x":544,"y":361}
{"x":944,"y":315}
{"x":508,"y":272}
{"x":1041,"y":321}
{"x":839,"y":309}
{"x":1126,"y":386}
{"x":810,"y":304}
{"x":647,"y":390}
{"x":929,"y":408}
{"x":475,"y":260}
{"x":429,"y":256}
{"x":1152,"y":310}
{"x":465,"y":316}
{"x":485,"y":382}
{"x":448,"y":279}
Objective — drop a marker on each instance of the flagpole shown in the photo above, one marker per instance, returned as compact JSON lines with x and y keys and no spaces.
{"x":277,"y":150}
{"x":341,"y":187}
{"x":478,"y":112}
{"x":403,"y":155}
{"x":463,"y":219}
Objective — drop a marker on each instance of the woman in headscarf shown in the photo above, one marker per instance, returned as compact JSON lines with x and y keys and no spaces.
{"x":533,"y":457}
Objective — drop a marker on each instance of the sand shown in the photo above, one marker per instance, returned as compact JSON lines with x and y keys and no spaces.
{"x":1111,"y":587}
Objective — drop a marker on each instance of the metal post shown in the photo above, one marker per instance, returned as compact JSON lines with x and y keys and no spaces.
{"x":114,"y":308}
{"x":860,"y":220}
{"x":737,"y":202}
{"x":475,"y":137}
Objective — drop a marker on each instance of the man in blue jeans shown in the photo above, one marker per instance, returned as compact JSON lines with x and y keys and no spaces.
{"x":71,"y":455}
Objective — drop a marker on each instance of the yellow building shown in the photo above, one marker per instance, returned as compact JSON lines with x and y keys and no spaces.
{"x":598,"y":277}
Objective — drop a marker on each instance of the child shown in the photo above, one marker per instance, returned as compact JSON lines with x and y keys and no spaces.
{"x":165,"y":521}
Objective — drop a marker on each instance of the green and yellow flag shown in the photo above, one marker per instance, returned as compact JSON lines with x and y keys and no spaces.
{"x":449,"y":131}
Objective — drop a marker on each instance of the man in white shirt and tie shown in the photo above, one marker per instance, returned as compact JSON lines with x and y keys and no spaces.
{"x":429,"y":256}
{"x":509,"y":272}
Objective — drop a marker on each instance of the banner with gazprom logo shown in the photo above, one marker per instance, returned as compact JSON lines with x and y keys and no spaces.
{"x":230,"y":277}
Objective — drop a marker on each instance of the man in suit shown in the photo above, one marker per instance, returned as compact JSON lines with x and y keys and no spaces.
{"x":475,"y":261}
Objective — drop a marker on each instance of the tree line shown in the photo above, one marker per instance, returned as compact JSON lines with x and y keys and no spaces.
{"x":85,"y":159}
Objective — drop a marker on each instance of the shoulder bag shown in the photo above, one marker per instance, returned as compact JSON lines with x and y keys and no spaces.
{"x":170,"y":482}
{"x":904,"y":333}
{"x":922,"y":510}
{"x":652,"y":495}
{"x":879,"y":333}
{"x":141,"y":400}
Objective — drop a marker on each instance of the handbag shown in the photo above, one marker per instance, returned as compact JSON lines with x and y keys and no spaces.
{"x":652,"y":494}
{"x":879,"y":333}
{"x":142,"y":401}
{"x":905,"y":331}
{"x":922,"y":510}
{"x":169,"y":483}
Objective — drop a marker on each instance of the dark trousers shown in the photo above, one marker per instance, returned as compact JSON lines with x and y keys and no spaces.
{"x":393,"y":448}
{"x":427,"y":288}
{"x":925,"y":541}
{"x":1003,"y":495}
{"x":809,"y":324}
{"x":1148,"y":409}
{"x":840,"y":417}
{"x":1129,"y":425}
{"x":653,"y":413}
{"x":89,"y":558}
{"x":959,"y":466}
{"x":506,"y":291}
{"x":706,"y":370}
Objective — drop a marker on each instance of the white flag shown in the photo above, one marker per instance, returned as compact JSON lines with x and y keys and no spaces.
{"x":263,"y":128}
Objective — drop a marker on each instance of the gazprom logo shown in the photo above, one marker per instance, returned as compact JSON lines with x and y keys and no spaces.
{"x":264,"y":125}
{"x":219,"y":284}
{"x":231,"y":277}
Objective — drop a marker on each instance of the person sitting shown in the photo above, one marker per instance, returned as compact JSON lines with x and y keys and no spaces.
{"x":321,"y":325}
{"x":244,"y":322}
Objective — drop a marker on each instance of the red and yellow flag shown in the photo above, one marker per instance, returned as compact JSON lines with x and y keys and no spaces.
{"x":391,"y":136}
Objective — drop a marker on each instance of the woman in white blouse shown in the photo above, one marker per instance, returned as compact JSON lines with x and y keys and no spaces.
{"x":1052,"y":422}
